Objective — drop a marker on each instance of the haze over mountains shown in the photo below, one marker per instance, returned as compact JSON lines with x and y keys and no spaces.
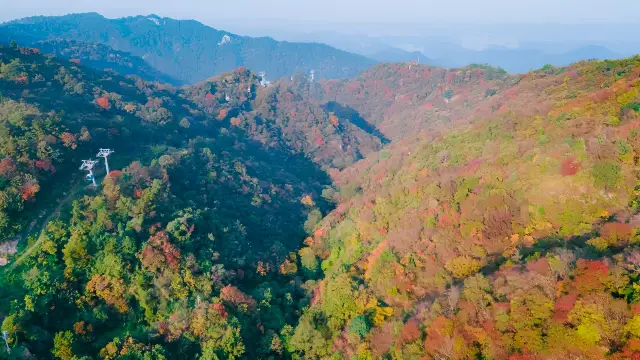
{"x":405,"y":211}
{"x":189,"y":51}
{"x":514,"y":47}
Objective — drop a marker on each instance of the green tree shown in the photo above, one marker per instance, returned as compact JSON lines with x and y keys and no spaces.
{"x":359,"y":326}
{"x":63,"y":346}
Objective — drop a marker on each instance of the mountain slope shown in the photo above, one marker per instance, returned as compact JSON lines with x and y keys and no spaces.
{"x":95,"y":55}
{"x":404,"y":99}
{"x":192,"y":222}
{"x":102,"y":57}
{"x":188,"y":50}
{"x":107,"y":110}
{"x":500,"y":222}
{"x":281,"y":114}
{"x":514,"y":237}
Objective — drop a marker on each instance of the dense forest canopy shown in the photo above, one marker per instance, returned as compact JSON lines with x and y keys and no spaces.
{"x":411,"y":212}
{"x":192,"y":181}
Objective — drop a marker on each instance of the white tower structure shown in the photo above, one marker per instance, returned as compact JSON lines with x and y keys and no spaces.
{"x":312,"y":75}
{"x":5,"y":336}
{"x":104,"y":153}
{"x":226,"y":98}
{"x":263,"y":79}
{"x":88,"y":166}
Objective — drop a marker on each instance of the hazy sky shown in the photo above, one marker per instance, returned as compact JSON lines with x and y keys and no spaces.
{"x":324,"y":11}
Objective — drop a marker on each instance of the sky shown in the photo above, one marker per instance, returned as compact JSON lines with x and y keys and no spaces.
{"x":340,"y":11}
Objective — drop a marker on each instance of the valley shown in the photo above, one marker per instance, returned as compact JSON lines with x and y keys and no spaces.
{"x":376,"y":211}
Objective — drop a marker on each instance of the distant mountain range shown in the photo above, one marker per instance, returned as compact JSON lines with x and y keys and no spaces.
{"x":514,"y":60}
{"x":186,"y":50}
{"x":451,"y":47}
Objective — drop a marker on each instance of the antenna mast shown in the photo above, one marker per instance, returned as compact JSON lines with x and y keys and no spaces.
{"x":103,"y":153}
{"x":88,"y":166}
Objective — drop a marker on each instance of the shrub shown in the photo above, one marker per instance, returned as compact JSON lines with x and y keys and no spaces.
{"x":448,"y":94}
{"x":606,"y":173}
{"x":308,"y":261}
{"x":635,"y":107}
{"x":359,"y":326}
{"x":569,"y":166}
{"x":462,"y":266}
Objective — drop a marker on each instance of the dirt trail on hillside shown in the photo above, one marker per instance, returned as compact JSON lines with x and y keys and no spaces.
{"x":43,"y":224}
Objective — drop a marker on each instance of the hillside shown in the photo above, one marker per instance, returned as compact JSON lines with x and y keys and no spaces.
{"x":212,"y":189}
{"x":410,"y":212}
{"x":187,"y":50}
{"x":95,"y":55}
{"x":102,"y":57}
{"x":282,"y":114}
{"x":404,"y":99}
{"x":513,"y":237}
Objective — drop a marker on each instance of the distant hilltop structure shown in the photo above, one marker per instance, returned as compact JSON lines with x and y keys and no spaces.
{"x":263,"y":79}
{"x":226,"y":39}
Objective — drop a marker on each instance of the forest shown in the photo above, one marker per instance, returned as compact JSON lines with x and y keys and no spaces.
{"x":409,"y":212}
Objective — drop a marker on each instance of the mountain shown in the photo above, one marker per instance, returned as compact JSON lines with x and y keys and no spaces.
{"x":102,"y":57}
{"x":516,"y":48}
{"x":409,"y":212}
{"x":392,"y":54}
{"x":181,"y":181}
{"x":512,"y":235}
{"x":281,"y":114}
{"x":519,"y":61}
{"x":444,"y":52}
{"x":404,"y":99}
{"x":187,"y":50}
{"x":274,"y":117}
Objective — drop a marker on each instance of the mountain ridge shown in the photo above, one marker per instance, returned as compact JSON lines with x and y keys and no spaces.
{"x":189,"y":50}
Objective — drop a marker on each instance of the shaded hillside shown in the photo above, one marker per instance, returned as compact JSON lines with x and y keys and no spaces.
{"x":193,"y":221}
{"x":279,"y":114}
{"x":102,"y":57}
{"x":188,"y":50}
{"x":514,"y":237}
{"x":59,"y":112}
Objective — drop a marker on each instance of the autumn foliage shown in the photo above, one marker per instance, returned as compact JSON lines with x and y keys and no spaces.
{"x":569,"y":166}
{"x":103,"y":102}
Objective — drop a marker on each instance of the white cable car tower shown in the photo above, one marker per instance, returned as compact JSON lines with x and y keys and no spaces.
{"x":263,"y":79}
{"x":104,"y":153}
{"x":5,"y":336}
{"x":88,"y":166}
